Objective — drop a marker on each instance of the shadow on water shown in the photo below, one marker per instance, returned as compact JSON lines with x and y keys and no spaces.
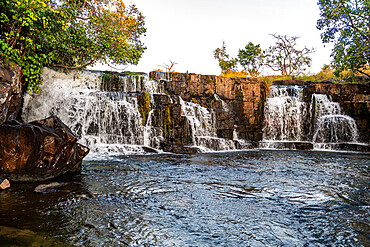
{"x":251,"y":198}
{"x":29,"y":218}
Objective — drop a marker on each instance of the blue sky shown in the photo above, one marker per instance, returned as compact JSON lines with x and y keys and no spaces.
{"x":187,"y":31}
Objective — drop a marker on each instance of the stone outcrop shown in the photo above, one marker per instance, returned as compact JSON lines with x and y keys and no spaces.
{"x":238,"y":105}
{"x":38,"y":150}
{"x":10,"y":92}
{"x":237,"y":102}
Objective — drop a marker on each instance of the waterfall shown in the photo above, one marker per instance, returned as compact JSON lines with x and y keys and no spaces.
{"x":202,"y":123}
{"x":288,"y":125}
{"x":105,"y":121}
{"x":331,"y":127}
{"x":285,"y":113}
{"x":224,"y":105}
{"x":103,"y":111}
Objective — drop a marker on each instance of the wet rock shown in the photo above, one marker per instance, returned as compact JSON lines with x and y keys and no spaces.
{"x":38,"y":150}
{"x":43,"y":187}
{"x":4,"y":183}
{"x":149,"y":150}
{"x":180,"y":149}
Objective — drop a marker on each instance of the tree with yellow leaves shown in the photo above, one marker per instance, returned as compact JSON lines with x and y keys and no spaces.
{"x":68,"y":33}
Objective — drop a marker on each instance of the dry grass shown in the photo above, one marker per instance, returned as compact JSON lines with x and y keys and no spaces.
{"x":234,"y":74}
{"x":325,"y":74}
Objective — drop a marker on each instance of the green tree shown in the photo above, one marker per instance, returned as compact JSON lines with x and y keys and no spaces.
{"x":226,"y":63}
{"x":251,"y":58}
{"x":347,"y":24}
{"x":285,"y":57}
{"x":68,"y":33}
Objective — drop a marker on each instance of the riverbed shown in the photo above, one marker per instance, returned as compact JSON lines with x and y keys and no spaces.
{"x":249,"y":198}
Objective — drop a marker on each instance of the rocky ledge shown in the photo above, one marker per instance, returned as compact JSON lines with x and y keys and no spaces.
{"x":38,"y":150}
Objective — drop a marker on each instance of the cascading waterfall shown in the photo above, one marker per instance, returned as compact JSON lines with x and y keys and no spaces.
{"x":106,"y":122}
{"x":104,"y":113}
{"x":202,"y":122}
{"x":287,"y":121}
{"x":285,"y":113}
{"x":106,"y":117}
{"x":224,"y":105}
{"x":331,"y":127}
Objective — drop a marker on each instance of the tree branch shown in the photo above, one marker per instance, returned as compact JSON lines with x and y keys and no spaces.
{"x":75,"y":67}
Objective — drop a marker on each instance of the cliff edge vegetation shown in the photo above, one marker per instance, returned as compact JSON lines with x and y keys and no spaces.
{"x":68,"y":33}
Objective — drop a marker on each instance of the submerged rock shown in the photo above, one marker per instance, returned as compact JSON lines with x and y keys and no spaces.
{"x":43,"y":187}
{"x":180,"y":149}
{"x":4,"y":183}
{"x":39,"y":150}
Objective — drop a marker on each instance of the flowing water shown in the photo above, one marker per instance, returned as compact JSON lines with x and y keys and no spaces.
{"x":202,"y":123}
{"x":252,"y":198}
{"x":287,"y":121}
{"x":110,"y":121}
{"x":106,"y":115}
{"x":249,"y":198}
{"x":285,"y":115}
{"x":331,"y":126}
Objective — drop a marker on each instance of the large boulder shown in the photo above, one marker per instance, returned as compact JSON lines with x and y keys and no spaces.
{"x":38,"y":150}
{"x":10,"y":91}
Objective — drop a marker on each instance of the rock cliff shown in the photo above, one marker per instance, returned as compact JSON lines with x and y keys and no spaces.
{"x":10,"y":92}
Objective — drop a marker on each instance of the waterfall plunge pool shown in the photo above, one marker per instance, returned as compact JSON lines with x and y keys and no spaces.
{"x":249,"y":198}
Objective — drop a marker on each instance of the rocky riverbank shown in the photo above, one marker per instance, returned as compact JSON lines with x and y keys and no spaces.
{"x":35,"y":151}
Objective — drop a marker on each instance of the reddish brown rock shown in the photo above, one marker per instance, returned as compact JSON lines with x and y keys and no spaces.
{"x":38,"y":150}
{"x":242,"y":96}
{"x":4,"y":184}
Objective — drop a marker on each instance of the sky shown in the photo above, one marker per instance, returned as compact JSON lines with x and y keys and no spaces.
{"x":188,"y":31}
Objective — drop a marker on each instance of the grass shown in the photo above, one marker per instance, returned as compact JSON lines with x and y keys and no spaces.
{"x":325,"y":74}
{"x":234,"y":74}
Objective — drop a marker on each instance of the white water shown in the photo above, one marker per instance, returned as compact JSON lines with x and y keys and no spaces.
{"x":110,"y":122}
{"x":331,"y":127}
{"x":284,"y":114}
{"x":106,"y":122}
{"x":202,"y":123}
{"x":224,"y":105}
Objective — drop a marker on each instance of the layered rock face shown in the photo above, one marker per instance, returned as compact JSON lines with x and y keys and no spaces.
{"x":38,"y":150}
{"x":237,"y":103}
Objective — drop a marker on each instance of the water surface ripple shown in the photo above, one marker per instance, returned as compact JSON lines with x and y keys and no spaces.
{"x":252,"y":198}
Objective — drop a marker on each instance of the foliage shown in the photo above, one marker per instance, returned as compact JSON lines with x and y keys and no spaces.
{"x":226,"y":63}
{"x":265,"y":84}
{"x":285,"y":57}
{"x":144,"y":107}
{"x":251,"y":59}
{"x":346,"y":23}
{"x":69,"y":34}
{"x":167,"y":122}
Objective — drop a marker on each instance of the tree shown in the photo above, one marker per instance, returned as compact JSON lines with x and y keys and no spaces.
{"x":347,"y":24}
{"x":226,"y":63}
{"x":285,"y":57}
{"x":68,"y":33}
{"x":251,"y":59}
{"x":169,"y":67}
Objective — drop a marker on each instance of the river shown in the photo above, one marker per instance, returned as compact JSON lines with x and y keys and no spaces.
{"x":248,"y":198}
